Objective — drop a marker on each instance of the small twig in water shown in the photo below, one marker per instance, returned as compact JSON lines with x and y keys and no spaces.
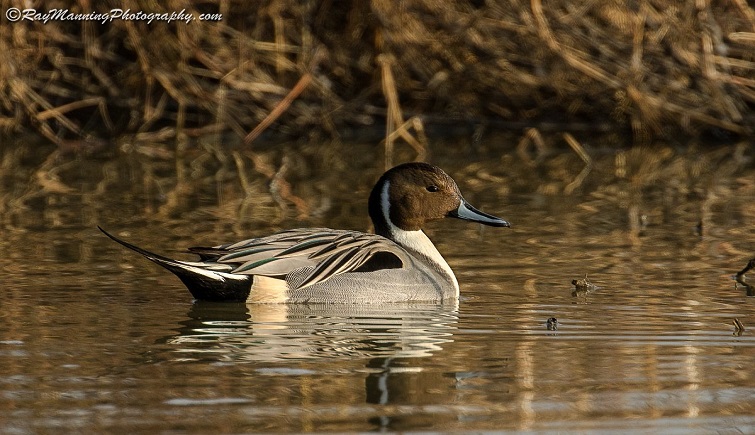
{"x":741,"y":274}
{"x":739,"y":328}
{"x":742,"y":279}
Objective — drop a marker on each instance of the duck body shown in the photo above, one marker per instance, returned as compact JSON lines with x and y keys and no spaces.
{"x":319,"y":265}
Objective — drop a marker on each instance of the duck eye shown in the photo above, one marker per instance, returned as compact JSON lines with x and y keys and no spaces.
{"x":432,"y":188}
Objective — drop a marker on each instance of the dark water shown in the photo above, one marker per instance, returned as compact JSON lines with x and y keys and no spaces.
{"x":96,"y":339}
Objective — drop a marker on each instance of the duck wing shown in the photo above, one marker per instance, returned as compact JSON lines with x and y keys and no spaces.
{"x":322,"y":252}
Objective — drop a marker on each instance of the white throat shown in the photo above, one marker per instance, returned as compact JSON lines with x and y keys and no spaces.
{"x":416,"y":242}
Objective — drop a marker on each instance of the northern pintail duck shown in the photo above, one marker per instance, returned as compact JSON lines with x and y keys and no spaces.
{"x":318,"y":265}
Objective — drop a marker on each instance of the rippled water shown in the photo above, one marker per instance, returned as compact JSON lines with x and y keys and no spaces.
{"x":97,"y":339}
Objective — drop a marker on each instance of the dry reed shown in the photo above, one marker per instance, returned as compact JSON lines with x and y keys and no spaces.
{"x":321,"y":67}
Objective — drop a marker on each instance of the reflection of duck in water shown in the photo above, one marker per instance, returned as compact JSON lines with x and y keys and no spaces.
{"x":314,"y":265}
{"x":240,"y":332}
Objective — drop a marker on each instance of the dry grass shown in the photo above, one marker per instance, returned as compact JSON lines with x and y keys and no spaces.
{"x":320,"y":67}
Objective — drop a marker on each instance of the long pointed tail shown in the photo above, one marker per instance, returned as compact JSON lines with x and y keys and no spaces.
{"x":203,"y":284}
{"x":165,"y":262}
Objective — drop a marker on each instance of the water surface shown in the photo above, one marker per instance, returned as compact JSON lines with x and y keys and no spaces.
{"x":97,"y":339}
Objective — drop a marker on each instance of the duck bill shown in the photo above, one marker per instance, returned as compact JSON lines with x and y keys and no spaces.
{"x":469,"y":213}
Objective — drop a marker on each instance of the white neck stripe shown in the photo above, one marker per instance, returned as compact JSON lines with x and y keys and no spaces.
{"x":385,"y":205}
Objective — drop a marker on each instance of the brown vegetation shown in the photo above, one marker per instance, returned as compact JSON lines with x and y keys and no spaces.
{"x":326,"y":67}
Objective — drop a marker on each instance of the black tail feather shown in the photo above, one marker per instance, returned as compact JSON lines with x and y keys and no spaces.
{"x":165,"y":262}
{"x":200,"y":282}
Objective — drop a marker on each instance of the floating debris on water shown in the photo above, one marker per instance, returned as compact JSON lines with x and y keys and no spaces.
{"x":742,"y":279}
{"x":748,"y":267}
{"x":551,"y":324}
{"x":739,"y":328}
{"x":582,"y":286}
